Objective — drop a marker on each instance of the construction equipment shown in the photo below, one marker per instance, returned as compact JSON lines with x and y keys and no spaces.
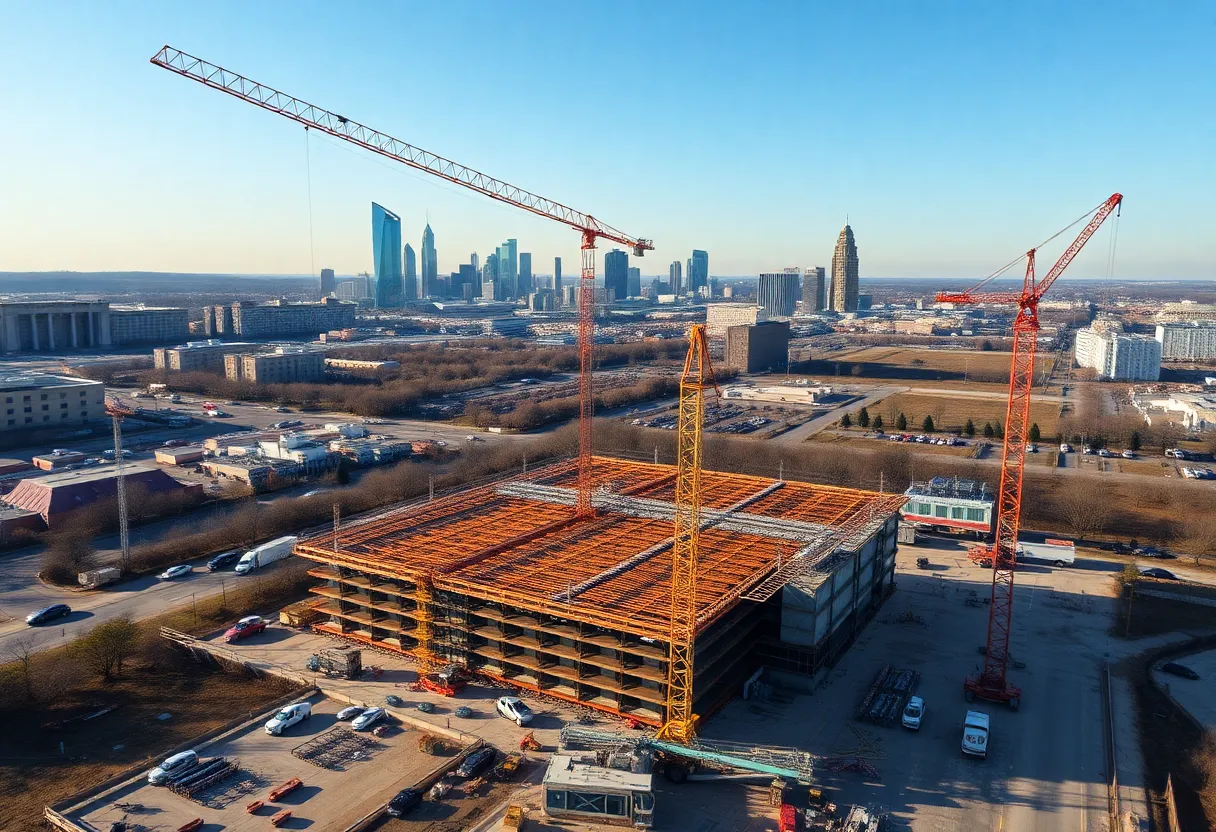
{"x":344,"y":661}
{"x":697,"y":378}
{"x":340,"y":127}
{"x":991,"y":682}
{"x":117,"y":409}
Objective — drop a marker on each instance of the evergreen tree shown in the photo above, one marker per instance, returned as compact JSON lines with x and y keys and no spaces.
{"x":989,"y":433}
{"x":969,"y":428}
{"x":1034,"y":435}
{"x":863,"y":418}
{"x":846,"y":421}
{"x":877,"y":425}
{"x":927,"y":426}
{"x":902,"y":422}
{"x":1133,"y":442}
{"x":1000,"y":430}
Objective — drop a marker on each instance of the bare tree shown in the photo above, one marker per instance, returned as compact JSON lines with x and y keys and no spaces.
{"x":68,"y":553}
{"x":1198,"y":538}
{"x":105,"y":647}
{"x":20,"y":651}
{"x":1085,"y":510}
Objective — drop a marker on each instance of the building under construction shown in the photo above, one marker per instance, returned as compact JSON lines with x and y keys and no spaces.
{"x":505,"y":579}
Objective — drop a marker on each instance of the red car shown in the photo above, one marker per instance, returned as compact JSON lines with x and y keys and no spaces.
{"x":247,"y":626}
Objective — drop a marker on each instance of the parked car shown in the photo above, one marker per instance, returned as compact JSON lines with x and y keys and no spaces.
{"x":349,"y":713}
{"x":1153,"y":552}
{"x":1032,"y":448}
{"x":1175,"y":669}
{"x":221,"y":561}
{"x":1105,"y":454}
{"x":477,"y":762}
{"x":281,"y":409}
{"x":289,"y":716}
{"x":1065,"y":448}
{"x":914,"y":712}
{"x":368,"y":718}
{"x":176,"y":572}
{"x":173,"y":766}
{"x":1088,"y":451}
{"x":175,"y":443}
{"x":1128,"y":454}
{"x":975,"y":734}
{"x":403,"y":801}
{"x":48,"y":614}
{"x":514,"y":709}
{"x":1158,"y":572}
{"x":248,"y":626}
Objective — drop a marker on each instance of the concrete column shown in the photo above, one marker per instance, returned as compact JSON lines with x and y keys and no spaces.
{"x":89,"y":330}
{"x":75,"y":339}
{"x":34,"y":329}
{"x":50,"y":330}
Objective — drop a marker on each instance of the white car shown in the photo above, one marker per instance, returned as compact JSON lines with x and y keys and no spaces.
{"x":975,"y":734}
{"x":1032,"y":448}
{"x":347,"y":714}
{"x":173,"y":766}
{"x":914,"y":712}
{"x":1105,"y":454}
{"x":368,"y":718}
{"x":289,"y":716}
{"x":176,"y":572}
{"x":514,"y":709}
{"x":1065,"y":448}
{"x":1128,"y":454}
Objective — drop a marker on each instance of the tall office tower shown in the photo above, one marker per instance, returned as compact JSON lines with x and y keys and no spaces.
{"x":411,"y":274}
{"x":686,"y":286}
{"x":813,"y":295}
{"x":844,"y":273}
{"x":525,"y":273}
{"x":633,"y":282}
{"x":328,"y":284}
{"x":698,"y":271}
{"x":778,"y":293}
{"x":489,"y":277}
{"x":386,"y":253}
{"x":475,"y":263}
{"x":468,"y":279}
{"x":616,"y":274}
{"x":508,"y":270}
{"x":557,"y":280}
{"x":675,"y":277}
{"x":430,"y":263}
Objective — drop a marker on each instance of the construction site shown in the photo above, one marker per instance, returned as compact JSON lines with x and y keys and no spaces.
{"x":508,"y":580}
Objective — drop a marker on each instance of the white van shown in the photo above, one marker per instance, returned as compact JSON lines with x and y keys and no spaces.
{"x":177,"y":764}
{"x":975,"y":734}
{"x":289,"y":716}
{"x":1059,"y":552}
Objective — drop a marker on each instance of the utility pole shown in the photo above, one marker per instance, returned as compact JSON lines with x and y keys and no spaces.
{"x":121,"y":493}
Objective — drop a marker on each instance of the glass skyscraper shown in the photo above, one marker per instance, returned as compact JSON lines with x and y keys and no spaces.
{"x":698,"y":271}
{"x":386,"y":253}
{"x":616,"y":274}
{"x":411,"y":273}
{"x":430,"y":263}
{"x":525,"y":273}
{"x":508,"y":269}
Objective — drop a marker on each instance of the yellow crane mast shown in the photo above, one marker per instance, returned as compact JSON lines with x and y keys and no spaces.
{"x":697,"y":378}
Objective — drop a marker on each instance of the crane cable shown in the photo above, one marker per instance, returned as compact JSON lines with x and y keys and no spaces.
{"x":312,"y":261}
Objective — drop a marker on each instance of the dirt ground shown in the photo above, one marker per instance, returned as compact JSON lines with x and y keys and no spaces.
{"x":874,"y":442}
{"x":945,"y":368}
{"x":34,"y":774}
{"x":955,"y":411}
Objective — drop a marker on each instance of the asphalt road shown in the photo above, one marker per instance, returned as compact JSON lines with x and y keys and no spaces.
{"x":813,"y":426}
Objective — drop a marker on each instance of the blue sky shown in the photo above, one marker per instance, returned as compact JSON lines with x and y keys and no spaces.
{"x":953,"y":135}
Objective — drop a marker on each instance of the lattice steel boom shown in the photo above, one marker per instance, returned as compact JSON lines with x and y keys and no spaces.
{"x":992,"y":682}
{"x":698,"y":377}
{"x":341,"y":127}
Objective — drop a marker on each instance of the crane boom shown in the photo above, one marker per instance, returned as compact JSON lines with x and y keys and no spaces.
{"x":341,"y":127}
{"x":992,"y":682}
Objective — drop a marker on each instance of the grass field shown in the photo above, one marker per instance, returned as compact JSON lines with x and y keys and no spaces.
{"x":845,"y":440}
{"x":950,"y":413}
{"x":943,"y":368}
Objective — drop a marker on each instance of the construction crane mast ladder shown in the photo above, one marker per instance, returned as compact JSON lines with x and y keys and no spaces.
{"x":341,"y":127}
{"x":992,"y":681}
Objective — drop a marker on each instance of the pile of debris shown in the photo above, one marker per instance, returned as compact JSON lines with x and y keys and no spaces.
{"x":884,"y":702}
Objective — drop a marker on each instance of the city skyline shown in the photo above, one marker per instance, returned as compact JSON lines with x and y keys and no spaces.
{"x":943,"y":195}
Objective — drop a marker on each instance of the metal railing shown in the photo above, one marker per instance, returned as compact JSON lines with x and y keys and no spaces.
{"x":1171,"y":808}
{"x":1116,"y":811}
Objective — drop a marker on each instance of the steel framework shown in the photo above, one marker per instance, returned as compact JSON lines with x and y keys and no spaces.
{"x":992,"y":682}
{"x":117,"y":411}
{"x":698,"y":377}
{"x":341,"y":127}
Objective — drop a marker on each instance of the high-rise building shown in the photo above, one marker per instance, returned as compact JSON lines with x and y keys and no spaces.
{"x":616,"y":274}
{"x":675,"y":277}
{"x":698,"y":271}
{"x":489,"y":277}
{"x":328,"y":283}
{"x":411,"y":274}
{"x":813,"y":290}
{"x":430,"y":263}
{"x":719,"y":317}
{"x":557,"y":279}
{"x":1189,"y":341}
{"x":758,"y":348}
{"x":525,"y":273}
{"x":475,"y":263}
{"x":778,"y":293}
{"x":844,"y":273}
{"x":508,"y":270}
{"x":1117,"y":356}
{"x":633,"y":282}
{"x":467,"y":278}
{"x":386,"y":253}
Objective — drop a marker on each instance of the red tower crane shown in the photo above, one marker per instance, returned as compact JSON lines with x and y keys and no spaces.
{"x":991,"y":682}
{"x":338,"y":126}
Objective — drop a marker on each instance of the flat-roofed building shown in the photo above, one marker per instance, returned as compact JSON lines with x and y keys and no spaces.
{"x":278,"y":318}
{"x":205,"y":356}
{"x":758,"y":348}
{"x":281,"y":367}
{"x":45,"y":401}
{"x":721,"y":316}
{"x":54,"y":326}
{"x":1187,"y":340}
{"x":148,"y":325}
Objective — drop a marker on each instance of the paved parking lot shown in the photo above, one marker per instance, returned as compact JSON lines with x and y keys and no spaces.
{"x":1045,"y":766}
{"x":1194,"y":694}
{"x":328,"y":799}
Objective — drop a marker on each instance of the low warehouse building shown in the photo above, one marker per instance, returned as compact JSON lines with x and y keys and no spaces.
{"x":57,"y":495}
{"x":504,"y":579}
{"x":186,"y":455}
